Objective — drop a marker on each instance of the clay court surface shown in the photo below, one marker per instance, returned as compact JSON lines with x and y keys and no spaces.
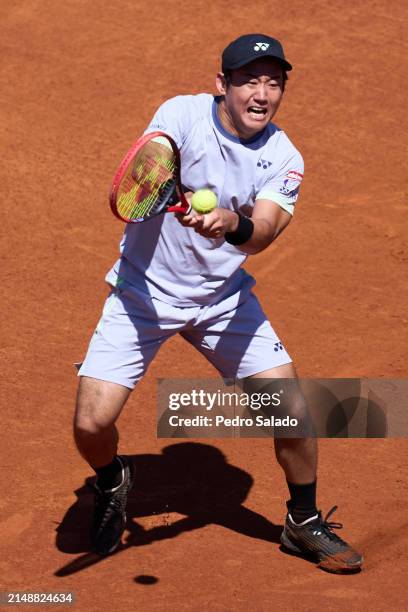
{"x":80,"y":80}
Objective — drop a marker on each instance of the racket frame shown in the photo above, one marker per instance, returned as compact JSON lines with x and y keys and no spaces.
{"x":184,"y":207}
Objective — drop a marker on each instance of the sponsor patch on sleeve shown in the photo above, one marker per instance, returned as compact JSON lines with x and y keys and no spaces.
{"x":296,"y":176}
{"x":291,"y":182}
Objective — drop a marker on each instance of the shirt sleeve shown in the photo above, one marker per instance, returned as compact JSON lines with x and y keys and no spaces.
{"x":174,"y":118}
{"x":283,"y":186}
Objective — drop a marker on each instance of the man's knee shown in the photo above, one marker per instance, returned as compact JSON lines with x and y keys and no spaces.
{"x":88,"y":426}
{"x":99,"y":404}
{"x":287,"y":405}
{"x":89,"y":419}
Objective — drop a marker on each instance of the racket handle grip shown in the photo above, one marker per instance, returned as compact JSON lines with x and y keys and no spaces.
{"x":182,"y":210}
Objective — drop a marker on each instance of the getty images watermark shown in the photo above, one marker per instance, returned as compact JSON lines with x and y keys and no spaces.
{"x":219,"y":401}
{"x":325,"y":408}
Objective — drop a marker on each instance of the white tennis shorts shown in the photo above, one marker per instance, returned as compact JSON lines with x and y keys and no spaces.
{"x":234,"y":335}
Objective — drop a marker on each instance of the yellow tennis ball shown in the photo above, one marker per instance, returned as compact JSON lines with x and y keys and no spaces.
{"x":204,"y":201}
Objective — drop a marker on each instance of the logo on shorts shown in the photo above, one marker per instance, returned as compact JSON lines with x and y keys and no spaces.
{"x":261,"y":46}
{"x":264,"y":163}
{"x":278,"y":346}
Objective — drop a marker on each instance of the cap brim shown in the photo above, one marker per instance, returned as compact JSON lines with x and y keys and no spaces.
{"x":285,"y":65}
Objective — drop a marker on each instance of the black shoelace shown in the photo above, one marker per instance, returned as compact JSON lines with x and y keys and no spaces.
{"x":329,"y":526}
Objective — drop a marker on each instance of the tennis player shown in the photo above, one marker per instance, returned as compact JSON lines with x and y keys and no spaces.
{"x":184,"y":275}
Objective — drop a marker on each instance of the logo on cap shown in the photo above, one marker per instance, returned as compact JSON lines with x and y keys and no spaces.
{"x":261,"y":46}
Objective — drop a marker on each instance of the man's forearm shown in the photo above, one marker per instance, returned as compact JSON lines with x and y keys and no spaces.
{"x":262,"y":234}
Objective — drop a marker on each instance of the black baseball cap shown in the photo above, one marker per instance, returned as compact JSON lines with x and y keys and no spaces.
{"x":250,"y":47}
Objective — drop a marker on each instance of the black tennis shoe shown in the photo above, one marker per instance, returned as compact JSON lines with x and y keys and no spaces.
{"x":110,"y":512}
{"x":315,"y":538}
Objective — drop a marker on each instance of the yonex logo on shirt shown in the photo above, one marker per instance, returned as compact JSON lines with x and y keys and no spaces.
{"x":278,"y":347}
{"x":261,"y":46}
{"x":264,"y":163}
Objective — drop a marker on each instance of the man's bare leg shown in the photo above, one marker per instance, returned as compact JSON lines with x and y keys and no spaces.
{"x":305,"y":530}
{"x":296,"y":456}
{"x":99,"y":404}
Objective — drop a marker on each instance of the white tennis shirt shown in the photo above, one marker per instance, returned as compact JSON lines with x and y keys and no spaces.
{"x":173,"y":263}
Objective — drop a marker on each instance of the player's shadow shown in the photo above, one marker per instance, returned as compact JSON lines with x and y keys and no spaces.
{"x":190,"y":479}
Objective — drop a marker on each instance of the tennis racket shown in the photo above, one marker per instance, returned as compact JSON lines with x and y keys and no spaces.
{"x":148,"y":181}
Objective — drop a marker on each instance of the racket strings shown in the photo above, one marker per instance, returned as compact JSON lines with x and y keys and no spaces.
{"x":148,"y":183}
